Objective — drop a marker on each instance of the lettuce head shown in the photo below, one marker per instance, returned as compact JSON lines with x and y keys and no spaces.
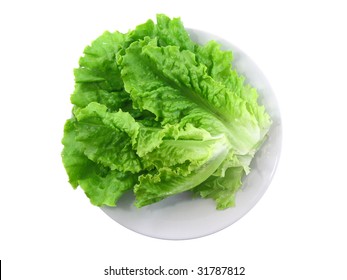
{"x":157,"y":114}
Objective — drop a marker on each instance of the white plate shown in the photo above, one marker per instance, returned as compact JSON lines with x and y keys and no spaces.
{"x":181,"y":216}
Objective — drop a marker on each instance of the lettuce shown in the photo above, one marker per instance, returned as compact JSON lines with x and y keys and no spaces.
{"x":158,"y":114}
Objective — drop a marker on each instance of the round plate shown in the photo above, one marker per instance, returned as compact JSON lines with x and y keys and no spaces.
{"x":185,"y":217}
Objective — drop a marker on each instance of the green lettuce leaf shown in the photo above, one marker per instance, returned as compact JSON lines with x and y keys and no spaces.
{"x":172,"y":85}
{"x":181,"y":165}
{"x":222,"y":189}
{"x":102,"y":185}
{"x":108,"y":138}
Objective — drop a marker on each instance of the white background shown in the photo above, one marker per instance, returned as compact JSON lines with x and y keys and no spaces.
{"x":297,"y":230}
